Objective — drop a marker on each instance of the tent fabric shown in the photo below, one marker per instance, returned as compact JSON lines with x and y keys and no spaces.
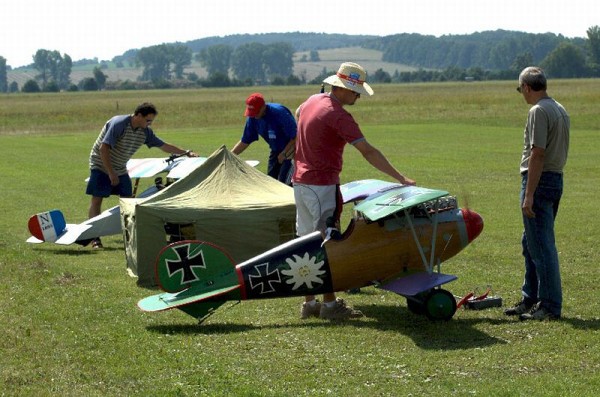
{"x":224,"y":201}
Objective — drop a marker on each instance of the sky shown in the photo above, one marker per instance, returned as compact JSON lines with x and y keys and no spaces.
{"x":107,"y":28}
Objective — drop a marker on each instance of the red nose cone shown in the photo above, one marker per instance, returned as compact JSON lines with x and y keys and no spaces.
{"x":473,"y":222}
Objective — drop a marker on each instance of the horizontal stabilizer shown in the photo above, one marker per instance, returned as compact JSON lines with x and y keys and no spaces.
{"x":167,"y":300}
{"x":106,"y":223}
{"x":73,"y":234}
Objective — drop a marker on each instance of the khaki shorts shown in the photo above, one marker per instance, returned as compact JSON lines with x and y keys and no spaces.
{"x":314,"y":204}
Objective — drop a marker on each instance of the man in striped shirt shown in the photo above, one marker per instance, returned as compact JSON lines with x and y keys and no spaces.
{"x":120,"y":138}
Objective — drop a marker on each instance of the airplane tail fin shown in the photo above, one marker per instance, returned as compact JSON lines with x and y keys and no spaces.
{"x":198,"y":277}
{"x":47,"y":226}
{"x":188,"y":263}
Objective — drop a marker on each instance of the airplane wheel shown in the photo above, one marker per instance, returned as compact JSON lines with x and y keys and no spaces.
{"x":440,"y":305}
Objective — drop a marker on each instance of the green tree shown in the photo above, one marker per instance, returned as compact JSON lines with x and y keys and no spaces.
{"x":256,"y":61}
{"x":89,"y":84}
{"x":31,"y":86}
{"x":380,"y":76}
{"x":41,"y":62}
{"x":155,"y":60}
{"x":521,"y":61}
{"x":216,"y":58}
{"x":52,"y":67}
{"x":277,"y":59}
{"x":593,"y":34}
{"x":247,"y":62}
{"x":566,"y":60}
{"x":52,"y":86}
{"x":99,"y":77}
{"x":180,"y":56}
{"x":217,"y":79}
{"x":65,"y":65}
{"x":3,"y":75}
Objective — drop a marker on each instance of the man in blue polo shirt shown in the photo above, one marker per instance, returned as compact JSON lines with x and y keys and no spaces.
{"x":119,"y":139}
{"x":276,"y":124}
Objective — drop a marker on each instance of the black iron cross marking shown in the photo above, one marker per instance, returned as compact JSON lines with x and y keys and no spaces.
{"x":185,"y":264}
{"x":264,"y":279}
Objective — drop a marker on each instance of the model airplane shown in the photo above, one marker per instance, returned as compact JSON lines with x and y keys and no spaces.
{"x":397,"y":239}
{"x":50,"y":226}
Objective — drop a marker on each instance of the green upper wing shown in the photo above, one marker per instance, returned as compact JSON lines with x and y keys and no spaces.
{"x":381,"y":205}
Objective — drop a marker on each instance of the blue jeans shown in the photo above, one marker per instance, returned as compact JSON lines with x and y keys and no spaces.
{"x":279,"y":171}
{"x":542,"y":274}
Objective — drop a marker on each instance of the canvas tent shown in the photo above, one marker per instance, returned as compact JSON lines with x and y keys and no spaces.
{"x":224,"y":201}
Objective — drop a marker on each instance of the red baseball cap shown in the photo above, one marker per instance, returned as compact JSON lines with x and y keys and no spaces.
{"x":254,"y":103}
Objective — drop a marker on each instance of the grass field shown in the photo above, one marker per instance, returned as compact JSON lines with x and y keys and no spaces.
{"x":70,"y":326}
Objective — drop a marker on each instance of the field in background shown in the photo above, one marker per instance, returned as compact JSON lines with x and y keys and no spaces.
{"x":330,"y":60}
{"x":71,"y":326}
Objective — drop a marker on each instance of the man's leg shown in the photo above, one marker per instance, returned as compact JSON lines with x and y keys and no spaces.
{"x":95,"y":207}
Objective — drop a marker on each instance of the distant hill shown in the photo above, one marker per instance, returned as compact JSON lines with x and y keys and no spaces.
{"x":401,"y":52}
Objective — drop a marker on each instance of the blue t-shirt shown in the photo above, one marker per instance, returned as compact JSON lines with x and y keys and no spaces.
{"x":277,"y":127}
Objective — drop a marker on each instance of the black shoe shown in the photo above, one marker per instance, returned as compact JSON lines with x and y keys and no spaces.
{"x":520,"y":308}
{"x":97,"y":244}
{"x":540,"y":313}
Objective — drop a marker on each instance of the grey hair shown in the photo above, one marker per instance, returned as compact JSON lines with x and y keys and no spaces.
{"x":534,"y":77}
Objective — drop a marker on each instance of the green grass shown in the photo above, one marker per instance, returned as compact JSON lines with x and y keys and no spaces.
{"x":70,"y":323}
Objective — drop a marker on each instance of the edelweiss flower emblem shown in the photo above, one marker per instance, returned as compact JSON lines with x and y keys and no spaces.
{"x":303,"y":270}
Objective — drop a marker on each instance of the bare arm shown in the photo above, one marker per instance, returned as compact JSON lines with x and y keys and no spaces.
{"x":288,"y":151}
{"x":172,"y":149}
{"x":379,"y":161}
{"x":534,"y":172}
{"x":239,"y":147}
{"x":105,"y":156}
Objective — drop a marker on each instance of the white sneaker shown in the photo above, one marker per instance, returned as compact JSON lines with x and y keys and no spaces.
{"x":339,"y":311}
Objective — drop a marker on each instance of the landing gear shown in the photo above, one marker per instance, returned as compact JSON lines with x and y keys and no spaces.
{"x":416,"y":304}
{"x":436,"y":304}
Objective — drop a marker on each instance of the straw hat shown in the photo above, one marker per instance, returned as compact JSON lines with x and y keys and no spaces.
{"x":351,"y":76}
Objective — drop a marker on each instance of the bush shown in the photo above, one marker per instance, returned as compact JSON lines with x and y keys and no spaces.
{"x":31,"y":86}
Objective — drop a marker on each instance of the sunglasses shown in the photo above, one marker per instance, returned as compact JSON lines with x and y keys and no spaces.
{"x":520,"y":88}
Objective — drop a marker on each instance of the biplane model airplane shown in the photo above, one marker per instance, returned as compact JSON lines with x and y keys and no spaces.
{"x":50,"y":226}
{"x":396,"y":240}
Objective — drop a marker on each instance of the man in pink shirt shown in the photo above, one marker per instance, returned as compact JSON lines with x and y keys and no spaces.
{"x":324,"y":128}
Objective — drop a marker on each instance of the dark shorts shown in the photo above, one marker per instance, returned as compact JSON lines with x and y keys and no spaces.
{"x":99,"y":185}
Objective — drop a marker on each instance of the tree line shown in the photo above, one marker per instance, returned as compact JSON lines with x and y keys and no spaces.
{"x":480,"y":56}
{"x":496,"y":51}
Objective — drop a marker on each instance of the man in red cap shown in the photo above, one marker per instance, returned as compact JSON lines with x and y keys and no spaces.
{"x":276,"y":124}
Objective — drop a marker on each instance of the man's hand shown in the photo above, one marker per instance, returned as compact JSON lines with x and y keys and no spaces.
{"x":114,"y":179}
{"x":527,"y":207}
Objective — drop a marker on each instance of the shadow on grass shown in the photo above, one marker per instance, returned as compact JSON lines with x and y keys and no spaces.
{"x":76,"y":251}
{"x":431,"y":335}
{"x":583,"y":324}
